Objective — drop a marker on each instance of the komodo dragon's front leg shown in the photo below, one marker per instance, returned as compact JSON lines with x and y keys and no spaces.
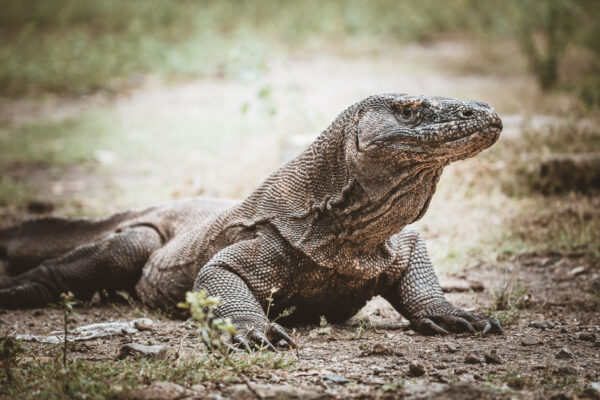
{"x":243,"y":276}
{"x":417,"y":294}
{"x":114,"y":262}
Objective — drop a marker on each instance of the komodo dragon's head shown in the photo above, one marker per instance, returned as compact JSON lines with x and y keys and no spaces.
{"x":394,"y":133}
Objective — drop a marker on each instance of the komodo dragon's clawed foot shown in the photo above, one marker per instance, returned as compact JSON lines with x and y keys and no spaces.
{"x":257,"y":338}
{"x":445,"y":319}
{"x":22,"y":293}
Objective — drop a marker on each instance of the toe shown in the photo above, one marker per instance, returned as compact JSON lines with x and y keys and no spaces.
{"x":278,"y":333}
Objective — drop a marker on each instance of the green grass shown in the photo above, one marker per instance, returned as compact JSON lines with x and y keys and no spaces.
{"x":104,"y":379}
{"x":63,"y":142}
{"x":79,"y":46}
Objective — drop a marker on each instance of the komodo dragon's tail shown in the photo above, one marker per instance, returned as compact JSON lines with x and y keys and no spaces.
{"x":26,"y":245}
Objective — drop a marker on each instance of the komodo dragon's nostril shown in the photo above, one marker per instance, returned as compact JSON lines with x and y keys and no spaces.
{"x":466,"y":113}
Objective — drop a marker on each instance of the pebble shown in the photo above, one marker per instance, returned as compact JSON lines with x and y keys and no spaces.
{"x":567,"y":370}
{"x":531,"y":341}
{"x":136,"y":349}
{"x":416,"y":369}
{"x":336,"y":379}
{"x":586,"y":336}
{"x":451,"y":347}
{"x":473,"y":359}
{"x":539,"y":325}
{"x":492,"y":357}
{"x":378,"y":370}
{"x":460,"y":371}
{"x":564,"y":353}
{"x":143,"y":324}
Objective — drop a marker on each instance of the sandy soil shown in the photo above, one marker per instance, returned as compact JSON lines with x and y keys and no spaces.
{"x":554,"y":341}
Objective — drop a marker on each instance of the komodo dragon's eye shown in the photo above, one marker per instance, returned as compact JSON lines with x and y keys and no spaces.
{"x":407,"y":112}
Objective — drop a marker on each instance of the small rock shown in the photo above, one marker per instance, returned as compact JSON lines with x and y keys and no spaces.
{"x":40,"y":207}
{"x":157,"y":391}
{"x":451,"y":347}
{"x":136,"y":349}
{"x":473,"y":359}
{"x":586,"y":336}
{"x":564,"y":330}
{"x":531,"y":341}
{"x":378,"y":370}
{"x":564,"y":354}
{"x":143,"y":324}
{"x":576,"y":271}
{"x":38,"y":313}
{"x":270,"y":391}
{"x":416,"y":369}
{"x":595,"y":388}
{"x":539,"y":325}
{"x":336,"y":379}
{"x":492,"y":357}
{"x":567,"y":370}
{"x":460,"y":371}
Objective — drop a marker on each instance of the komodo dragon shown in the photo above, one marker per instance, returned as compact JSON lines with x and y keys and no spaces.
{"x":325,"y":233}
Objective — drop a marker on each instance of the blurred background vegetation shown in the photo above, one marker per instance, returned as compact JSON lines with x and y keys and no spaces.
{"x":78,"y":46}
{"x":112,"y":104}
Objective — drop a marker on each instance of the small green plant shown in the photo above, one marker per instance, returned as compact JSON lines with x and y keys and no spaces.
{"x":362,"y":327}
{"x":9,"y":349}
{"x":216,"y":333}
{"x":516,"y":379}
{"x":393,"y":387}
{"x":66,"y":305}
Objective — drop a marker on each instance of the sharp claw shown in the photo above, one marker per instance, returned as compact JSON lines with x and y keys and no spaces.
{"x":435,"y":327}
{"x":261,"y":340}
{"x":466,"y":324}
{"x":280,"y":333}
{"x":239,"y":339}
{"x":232,"y":349}
{"x":486,"y":328}
{"x":496,"y":325}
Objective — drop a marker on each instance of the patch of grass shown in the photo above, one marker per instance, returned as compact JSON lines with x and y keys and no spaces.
{"x":565,"y":225}
{"x":47,"y":142}
{"x":102,"y":379}
{"x":507,"y":300}
{"x":78,"y":46}
{"x":516,"y":379}
{"x":12,"y":191}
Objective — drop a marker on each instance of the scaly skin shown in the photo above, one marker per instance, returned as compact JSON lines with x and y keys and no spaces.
{"x":325,"y":233}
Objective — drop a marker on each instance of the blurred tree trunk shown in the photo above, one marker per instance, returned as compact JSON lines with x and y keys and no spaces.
{"x":544,"y":32}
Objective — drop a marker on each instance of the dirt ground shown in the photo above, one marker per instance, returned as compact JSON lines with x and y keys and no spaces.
{"x":550,"y":349}
{"x":547,"y":300}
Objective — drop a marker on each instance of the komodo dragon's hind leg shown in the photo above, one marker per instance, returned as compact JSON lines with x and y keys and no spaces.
{"x":114,"y":262}
{"x":27,"y":245}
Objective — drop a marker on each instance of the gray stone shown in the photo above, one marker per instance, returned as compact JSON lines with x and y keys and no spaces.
{"x":587,"y":336}
{"x":564,"y":354}
{"x":492,"y":357}
{"x":473,"y":359}
{"x":269,"y":391}
{"x":451,"y":347}
{"x":336,"y":379}
{"x":416,"y":369}
{"x":140,"y":350}
{"x":157,"y":391}
{"x":531,"y":341}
